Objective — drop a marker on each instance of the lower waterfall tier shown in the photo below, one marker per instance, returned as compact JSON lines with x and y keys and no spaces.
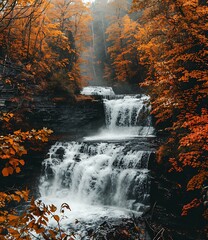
{"x":112,"y":174}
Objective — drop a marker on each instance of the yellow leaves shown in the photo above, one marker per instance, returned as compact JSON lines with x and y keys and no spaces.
{"x":129,"y":27}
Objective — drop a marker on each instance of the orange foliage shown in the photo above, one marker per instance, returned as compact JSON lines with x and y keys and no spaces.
{"x":39,"y":38}
{"x":35,"y":220}
{"x":171,"y":42}
{"x":12,"y":148}
{"x":121,"y":37}
{"x":193,"y":204}
{"x":40,"y":47}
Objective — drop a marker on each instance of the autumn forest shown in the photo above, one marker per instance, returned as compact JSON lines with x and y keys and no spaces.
{"x":54,"y":48}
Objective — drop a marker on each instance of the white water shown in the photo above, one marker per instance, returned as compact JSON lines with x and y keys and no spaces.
{"x":103,"y":180}
{"x":100,"y":173}
{"x":102,"y":91}
{"x":126,"y":117}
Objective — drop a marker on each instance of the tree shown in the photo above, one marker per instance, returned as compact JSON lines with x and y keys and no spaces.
{"x":38,"y":38}
{"x":35,"y":219}
{"x":172,"y":45}
{"x":40,"y":50}
{"x":123,"y":51}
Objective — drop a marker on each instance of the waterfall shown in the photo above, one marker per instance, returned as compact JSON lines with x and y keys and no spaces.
{"x":126,"y":117}
{"x":100,"y":173}
{"x":102,"y":91}
{"x":130,"y":113}
{"x":105,"y":175}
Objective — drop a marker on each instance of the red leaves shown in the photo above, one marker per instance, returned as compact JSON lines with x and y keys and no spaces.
{"x":193,"y":204}
{"x":197,"y":181}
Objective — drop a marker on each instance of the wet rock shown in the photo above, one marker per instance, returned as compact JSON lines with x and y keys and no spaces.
{"x":60,"y":153}
{"x":131,"y":229}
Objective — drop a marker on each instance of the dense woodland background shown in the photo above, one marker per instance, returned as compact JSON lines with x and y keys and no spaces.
{"x":55,"y":47}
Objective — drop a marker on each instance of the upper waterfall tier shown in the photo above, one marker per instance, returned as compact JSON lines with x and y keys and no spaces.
{"x":126,"y":116}
{"x":101,"y":91}
{"x":128,"y":111}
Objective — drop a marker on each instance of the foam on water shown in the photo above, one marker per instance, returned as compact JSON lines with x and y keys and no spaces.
{"x":101,"y":91}
{"x":99,"y":173}
{"x":84,"y":217}
{"x":126,"y":117}
{"x":103,"y":180}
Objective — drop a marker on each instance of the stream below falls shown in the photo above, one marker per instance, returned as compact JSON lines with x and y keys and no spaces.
{"x":104,"y":177}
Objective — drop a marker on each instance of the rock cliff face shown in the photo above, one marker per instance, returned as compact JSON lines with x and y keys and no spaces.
{"x":63,"y":115}
{"x":69,"y":119}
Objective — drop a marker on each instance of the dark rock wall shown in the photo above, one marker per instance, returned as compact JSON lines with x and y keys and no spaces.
{"x":69,"y":119}
{"x":167,"y":201}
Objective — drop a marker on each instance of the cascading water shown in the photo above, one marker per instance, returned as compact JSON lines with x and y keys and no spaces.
{"x":99,"y":173}
{"x":103,"y":179}
{"x":126,"y":117}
